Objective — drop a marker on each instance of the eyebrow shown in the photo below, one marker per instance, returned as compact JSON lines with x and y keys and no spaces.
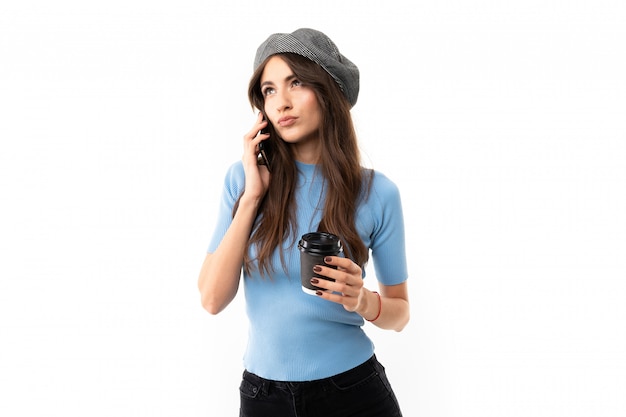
{"x":287,"y":79}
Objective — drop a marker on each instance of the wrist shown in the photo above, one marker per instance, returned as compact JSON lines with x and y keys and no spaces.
{"x":373,"y":306}
{"x":250,"y":202}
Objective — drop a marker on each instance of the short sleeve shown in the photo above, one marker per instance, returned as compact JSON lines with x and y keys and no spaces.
{"x":388,"y":237}
{"x":234,"y":182}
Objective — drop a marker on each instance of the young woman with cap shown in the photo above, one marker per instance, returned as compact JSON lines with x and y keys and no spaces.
{"x":308,"y":355}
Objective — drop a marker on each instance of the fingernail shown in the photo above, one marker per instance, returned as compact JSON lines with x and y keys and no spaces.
{"x":317,"y":268}
{"x":315,"y":281}
{"x":328,"y":259}
{"x":318,"y":293}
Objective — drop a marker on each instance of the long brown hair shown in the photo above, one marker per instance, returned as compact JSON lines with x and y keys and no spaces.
{"x":346,"y":181}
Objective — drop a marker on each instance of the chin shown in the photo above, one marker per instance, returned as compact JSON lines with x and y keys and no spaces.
{"x":291,"y":138}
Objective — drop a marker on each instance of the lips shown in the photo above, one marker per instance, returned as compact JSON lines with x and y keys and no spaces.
{"x":286,"y":121}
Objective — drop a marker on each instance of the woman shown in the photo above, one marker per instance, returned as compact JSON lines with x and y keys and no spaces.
{"x":308,"y":354}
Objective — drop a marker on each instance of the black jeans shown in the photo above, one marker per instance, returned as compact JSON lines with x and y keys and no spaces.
{"x":363,"y":391}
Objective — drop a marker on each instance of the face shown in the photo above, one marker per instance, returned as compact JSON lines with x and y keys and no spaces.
{"x":291,"y":107}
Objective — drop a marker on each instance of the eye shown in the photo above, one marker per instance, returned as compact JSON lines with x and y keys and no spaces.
{"x":267,"y":91}
{"x":296,"y":83}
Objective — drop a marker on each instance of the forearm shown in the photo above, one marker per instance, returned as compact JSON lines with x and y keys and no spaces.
{"x":221,"y":271}
{"x":391,"y":313}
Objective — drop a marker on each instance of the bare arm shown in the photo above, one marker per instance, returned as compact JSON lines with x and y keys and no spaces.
{"x":393,"y":307}
{"x":221,"y":270}
{"x":392,"y":312}
{"x":220,"y":273}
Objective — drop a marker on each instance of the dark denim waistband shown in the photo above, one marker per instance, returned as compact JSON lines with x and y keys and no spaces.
{"x":359,"y":372}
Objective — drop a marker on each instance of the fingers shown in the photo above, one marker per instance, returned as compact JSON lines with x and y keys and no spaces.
{"x":343,"y":264}
{"x":341,"y":287}
{"x":347,"y":277}
{"x":346,"y":289}
{"x":349,"y":303}
{"x":252,"y":139}
{"x":255,"y":133}
{"x":257,"y":176}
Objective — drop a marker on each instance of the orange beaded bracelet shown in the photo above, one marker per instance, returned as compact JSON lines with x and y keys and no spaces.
{"x":380,"y":307}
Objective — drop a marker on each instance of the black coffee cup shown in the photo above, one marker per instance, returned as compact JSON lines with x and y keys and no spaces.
{"x":314,"y":247}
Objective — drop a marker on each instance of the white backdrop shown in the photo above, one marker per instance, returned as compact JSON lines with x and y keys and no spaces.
{"x":503,"y":124}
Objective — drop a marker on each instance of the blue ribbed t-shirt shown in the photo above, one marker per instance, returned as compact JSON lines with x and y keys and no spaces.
{"x":295,"y":336}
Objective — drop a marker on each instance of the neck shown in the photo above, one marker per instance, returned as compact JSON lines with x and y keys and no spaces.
{"x":307,"y":152}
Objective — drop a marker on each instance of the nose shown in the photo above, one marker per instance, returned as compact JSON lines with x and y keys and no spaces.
{"x":284,"y":101}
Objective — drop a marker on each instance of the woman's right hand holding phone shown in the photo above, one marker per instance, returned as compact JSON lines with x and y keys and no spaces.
{"x":221,"y":271}
{"x":257,"y":176}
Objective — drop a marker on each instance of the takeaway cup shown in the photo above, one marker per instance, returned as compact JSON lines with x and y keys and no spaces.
{"x":314,"y":247}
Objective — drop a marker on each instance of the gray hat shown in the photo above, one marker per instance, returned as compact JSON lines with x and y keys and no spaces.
{"x":319,"y":48}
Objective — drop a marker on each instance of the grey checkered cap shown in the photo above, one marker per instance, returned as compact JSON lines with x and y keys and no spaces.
{"x":319,"y":48}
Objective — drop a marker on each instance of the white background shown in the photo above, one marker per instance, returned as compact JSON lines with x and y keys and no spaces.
{"x":503,"y":124}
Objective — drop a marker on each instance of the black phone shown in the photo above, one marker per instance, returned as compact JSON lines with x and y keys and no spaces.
{"x":264,"y":157}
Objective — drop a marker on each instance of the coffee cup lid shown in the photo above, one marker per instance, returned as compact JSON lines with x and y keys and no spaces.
{"x":320,"y":242}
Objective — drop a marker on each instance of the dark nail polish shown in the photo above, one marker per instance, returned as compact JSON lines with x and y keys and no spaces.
{"x":318,"y":293}
{"x":328,"y":259}
{"x":315,"y":281}
{"x":317,"y":268}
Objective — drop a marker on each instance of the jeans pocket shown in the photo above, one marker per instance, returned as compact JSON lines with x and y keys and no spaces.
{"x":249,"y":388}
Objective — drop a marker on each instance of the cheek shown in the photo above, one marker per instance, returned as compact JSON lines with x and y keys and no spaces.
{"x":267,"y":112}
{"x":309,"y":99}
{"x":311,"y":104}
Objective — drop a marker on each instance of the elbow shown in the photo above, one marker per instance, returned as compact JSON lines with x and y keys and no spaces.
{"x":215,"y":291}
{"x":211,"y":308}
{"x":406,"y":317}
{"x":208,"y":298}
{"x":211,"y":305}
{"x":215,"y":300}
{"x":402,"y":324}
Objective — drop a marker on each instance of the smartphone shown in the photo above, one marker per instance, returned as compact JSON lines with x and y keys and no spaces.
{"x":264,"y":157}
